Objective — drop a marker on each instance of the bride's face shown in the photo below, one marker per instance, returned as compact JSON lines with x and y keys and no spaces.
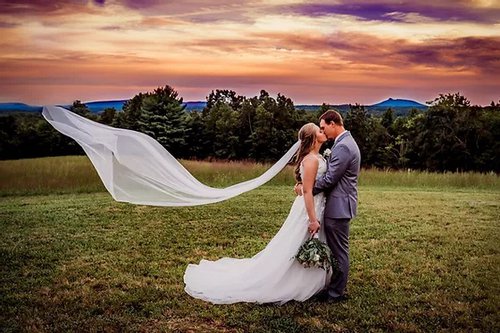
{"x":320,"y":136}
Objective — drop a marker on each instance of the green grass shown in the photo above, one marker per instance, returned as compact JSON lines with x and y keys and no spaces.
{"x":75,"y":174}
{"x":424,"y":253}
{"x":421,"y":260}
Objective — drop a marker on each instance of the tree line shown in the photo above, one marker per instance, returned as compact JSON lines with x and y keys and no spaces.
{"x":451,"y":135}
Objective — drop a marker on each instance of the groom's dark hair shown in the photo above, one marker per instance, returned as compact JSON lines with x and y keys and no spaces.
{"x":332,"y":115}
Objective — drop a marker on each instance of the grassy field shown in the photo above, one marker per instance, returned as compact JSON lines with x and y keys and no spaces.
{"x":75,"y":174}
{"x":424,"y":255}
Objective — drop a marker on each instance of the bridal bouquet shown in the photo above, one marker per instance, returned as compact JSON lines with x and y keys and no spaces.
{"x":315,"y":253}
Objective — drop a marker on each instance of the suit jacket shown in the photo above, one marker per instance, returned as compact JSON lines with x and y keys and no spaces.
{"x":340,"y":182}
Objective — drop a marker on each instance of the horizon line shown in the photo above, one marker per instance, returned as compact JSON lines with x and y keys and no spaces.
{"x":204,"y":101}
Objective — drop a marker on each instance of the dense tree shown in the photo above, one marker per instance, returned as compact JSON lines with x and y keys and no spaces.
{"x":29,"y":135}
{"x":79,"y":108}
{"x":260,"y":127}
{"x":163,"y":118}
{"x":9,"y":136}
{"x":107,"y":116}
{"x":358,"y":122}
{"x":224,"y":96}
{"x":132,"y":110}
{"x":387,"y":118}
{"x":441,"y":140}
{"x":451,"y":135}
{"x":487,"y":156}
{"x":223,"y":124}
{"x":322,"y":109}
{"x":222,"y":119}
{"x":262,"y":145}
{"x":198,"y":145}
{"x":247,"y":125}
{"x":276,"y":125}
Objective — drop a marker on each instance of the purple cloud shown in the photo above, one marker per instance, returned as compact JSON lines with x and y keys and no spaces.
{"x":469,"y":52}
{"x":42,"y":7}
{"x":365,"y":11}
{"x":140,"y":4}
{"x":383,"y":11}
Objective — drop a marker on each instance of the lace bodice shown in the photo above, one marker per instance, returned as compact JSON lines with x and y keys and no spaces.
{"x":321,"y":167}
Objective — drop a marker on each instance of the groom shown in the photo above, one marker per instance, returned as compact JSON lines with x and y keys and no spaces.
{"x":339,"y":184}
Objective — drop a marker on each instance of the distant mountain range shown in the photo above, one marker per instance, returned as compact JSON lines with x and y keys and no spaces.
{"x":19,"y":107}
{"x":400,"y":106}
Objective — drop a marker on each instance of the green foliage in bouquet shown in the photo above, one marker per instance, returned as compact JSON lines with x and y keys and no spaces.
{"x":315,"y":253}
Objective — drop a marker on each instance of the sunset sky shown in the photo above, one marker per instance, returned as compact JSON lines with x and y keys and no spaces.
{"x":311,"y":51}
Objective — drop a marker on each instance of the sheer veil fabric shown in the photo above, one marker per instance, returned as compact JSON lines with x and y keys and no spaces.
{"x":135,"y":168}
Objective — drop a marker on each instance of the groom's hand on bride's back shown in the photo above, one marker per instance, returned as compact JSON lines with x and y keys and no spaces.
{"x":298,"y":188}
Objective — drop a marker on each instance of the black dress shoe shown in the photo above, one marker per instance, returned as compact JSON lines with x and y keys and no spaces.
{"x":322,"y":296}
{"x":339,"y":299}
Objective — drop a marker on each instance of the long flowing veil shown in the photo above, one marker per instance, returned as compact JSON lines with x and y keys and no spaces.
{"x":135,"y":168}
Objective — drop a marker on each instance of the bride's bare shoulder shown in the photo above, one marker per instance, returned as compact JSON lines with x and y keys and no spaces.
{"x":310,"y":160}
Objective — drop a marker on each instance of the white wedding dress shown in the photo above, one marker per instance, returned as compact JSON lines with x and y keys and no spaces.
{"x":272,"y":275}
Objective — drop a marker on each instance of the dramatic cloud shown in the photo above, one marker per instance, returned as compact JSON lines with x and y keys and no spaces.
{"x":313,"y":52}
{"x":403,"y":10}
{"x":42,"y":7}
{"x":474,"y":54}
{"x":198,"y":11}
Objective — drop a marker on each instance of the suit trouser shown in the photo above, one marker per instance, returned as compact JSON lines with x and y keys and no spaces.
{"x":337,"y":238}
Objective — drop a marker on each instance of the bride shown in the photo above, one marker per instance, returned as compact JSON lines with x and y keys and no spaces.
{"x":272,"y":275}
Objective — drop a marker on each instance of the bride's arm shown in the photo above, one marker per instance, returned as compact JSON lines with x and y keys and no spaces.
{"x":310,"y":164}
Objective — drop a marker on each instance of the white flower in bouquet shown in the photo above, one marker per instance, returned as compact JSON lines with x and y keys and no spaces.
{"x":315,"y":253}
{"x":327,"y":153}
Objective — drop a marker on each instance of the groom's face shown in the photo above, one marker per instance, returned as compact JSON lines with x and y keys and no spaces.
{"x":328,"y":129}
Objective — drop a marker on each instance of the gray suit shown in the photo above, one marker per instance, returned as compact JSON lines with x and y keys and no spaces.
{"x":339,"y":184}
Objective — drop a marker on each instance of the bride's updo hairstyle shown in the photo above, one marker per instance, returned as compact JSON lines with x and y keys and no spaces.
{"x":307,"y":137}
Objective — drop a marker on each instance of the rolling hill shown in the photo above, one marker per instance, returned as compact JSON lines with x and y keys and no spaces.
{"x":400,"y":106}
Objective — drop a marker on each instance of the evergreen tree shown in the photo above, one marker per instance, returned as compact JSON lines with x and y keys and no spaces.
{"x":107,"y":116}
{"x":132,"y":110}
{"x":163,"y":118}
{"x":81,"y":109}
